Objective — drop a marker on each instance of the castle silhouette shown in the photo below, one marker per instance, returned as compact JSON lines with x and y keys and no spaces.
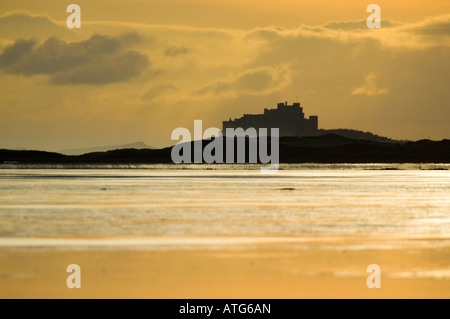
{"x":290,"y":119}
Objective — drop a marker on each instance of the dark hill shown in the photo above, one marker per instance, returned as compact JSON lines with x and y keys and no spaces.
{"x":357,"y":135}
{"x":328,"y":148}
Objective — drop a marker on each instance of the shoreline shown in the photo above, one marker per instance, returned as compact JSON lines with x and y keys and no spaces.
{"x":386,"y":166}
{"x":132,"y":243}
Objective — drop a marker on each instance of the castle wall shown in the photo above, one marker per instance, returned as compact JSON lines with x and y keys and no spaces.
{"x":290,"y":119}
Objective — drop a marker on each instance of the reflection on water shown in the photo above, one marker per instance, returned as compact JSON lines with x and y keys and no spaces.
{"x":220,"y":201}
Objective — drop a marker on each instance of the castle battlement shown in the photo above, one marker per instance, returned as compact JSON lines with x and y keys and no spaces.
{"x":290,"y":119}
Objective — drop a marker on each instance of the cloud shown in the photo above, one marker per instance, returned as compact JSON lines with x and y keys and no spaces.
{"x":422,"y":34}
{"x":355,"y":25}
{"x":437,"y":26}
{"x":98,"y":60}
{"x":176,"y":51}
{"x":23,"y":24}
{"x":370,"y":87}
{"x":13,"y":53}
{"x":261,"y":80}
{"x":159,"y":90}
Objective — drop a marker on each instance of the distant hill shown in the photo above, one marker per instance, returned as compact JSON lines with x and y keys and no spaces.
{"x":80,"y":151}
{"x":358,"y":135}
{"x":328,"y":148}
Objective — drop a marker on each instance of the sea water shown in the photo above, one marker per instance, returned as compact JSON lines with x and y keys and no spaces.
{"x":123,"y":205}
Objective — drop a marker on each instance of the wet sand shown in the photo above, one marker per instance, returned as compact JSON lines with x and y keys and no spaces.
{"x":266,"y":270}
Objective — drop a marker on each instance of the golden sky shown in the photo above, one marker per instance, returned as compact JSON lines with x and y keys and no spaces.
{"x":138,"y":69}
